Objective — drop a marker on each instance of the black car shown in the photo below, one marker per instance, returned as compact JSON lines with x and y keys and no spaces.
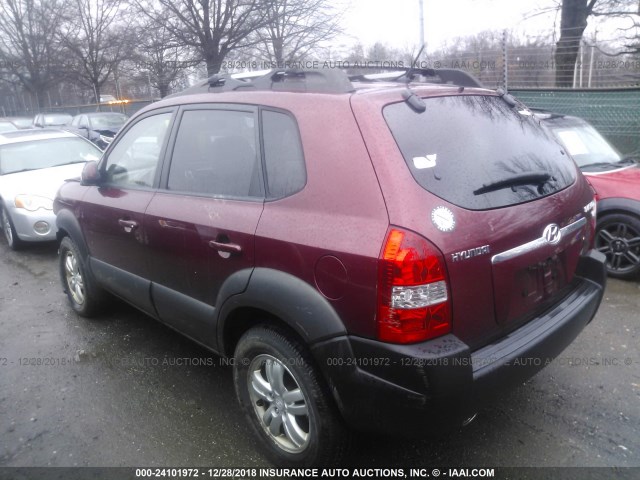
{"x":99,"y":127}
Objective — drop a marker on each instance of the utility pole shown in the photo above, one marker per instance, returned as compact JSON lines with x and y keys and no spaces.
{"x":421,"y":23}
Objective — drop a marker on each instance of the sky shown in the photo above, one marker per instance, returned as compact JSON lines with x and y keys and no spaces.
{"x":396,"y":22}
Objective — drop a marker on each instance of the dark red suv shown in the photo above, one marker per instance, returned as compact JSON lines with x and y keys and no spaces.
{"x":382,"y":254}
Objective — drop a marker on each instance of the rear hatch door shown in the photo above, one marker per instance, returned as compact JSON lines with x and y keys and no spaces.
{"x":496,"y":194}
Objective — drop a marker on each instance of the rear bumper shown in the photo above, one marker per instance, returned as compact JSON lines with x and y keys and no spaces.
{"x":422,"y":388}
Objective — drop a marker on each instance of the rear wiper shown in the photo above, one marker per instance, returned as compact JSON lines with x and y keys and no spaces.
{"x":527,"y":178}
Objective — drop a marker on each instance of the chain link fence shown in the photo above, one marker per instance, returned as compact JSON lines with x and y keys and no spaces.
{"x":604,"y":90}
{"x":615,"y":113}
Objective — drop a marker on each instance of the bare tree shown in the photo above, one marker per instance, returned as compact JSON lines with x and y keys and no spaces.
{"x":213,"y":28}
{"x":28,"y":51}
{"x":97,"y":37}
{"x":162,"y":59}
{"x":573,"y":22}
{"x":296,"y":27}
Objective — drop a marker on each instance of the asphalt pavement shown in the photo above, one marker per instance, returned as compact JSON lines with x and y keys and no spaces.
{"x":124,"y":390}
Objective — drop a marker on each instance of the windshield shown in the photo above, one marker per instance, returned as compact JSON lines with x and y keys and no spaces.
{"x":478,"y":152}
{"x":37,"y":154}
{"x":107,"y":122}
{"x":586,"y":145}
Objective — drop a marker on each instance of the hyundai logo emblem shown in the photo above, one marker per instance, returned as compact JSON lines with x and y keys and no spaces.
{"x":552,"y":233}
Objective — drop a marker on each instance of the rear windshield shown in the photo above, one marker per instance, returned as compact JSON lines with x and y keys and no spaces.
{"x":478,"y":152}
{"x":57,"y":119}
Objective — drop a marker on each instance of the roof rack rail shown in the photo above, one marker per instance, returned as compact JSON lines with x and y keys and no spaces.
{"x":324,"y":80}
{"x":408,"y":74}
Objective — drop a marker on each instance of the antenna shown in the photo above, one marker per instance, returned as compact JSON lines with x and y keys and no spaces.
{"x":415,"y":60}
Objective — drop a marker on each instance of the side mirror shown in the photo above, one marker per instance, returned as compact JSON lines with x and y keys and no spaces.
{"x":90,"y":174}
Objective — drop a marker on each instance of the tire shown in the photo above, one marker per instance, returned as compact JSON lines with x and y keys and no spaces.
{"x":290,"y":409}
{"x":618,"y":237}
{"x":9,"y":230}
{"x":84,"y":296}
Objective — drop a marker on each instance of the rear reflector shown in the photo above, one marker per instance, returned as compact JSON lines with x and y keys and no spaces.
{"x":413,"y":299}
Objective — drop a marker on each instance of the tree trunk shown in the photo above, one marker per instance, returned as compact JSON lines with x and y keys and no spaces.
{"x":572,"y":25}
{"x":278,"y":51}
{"x":214,"y":63}
{"x":163,"y":89}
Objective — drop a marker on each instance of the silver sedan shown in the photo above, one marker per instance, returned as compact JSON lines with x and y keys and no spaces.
{"x":33,"y":165}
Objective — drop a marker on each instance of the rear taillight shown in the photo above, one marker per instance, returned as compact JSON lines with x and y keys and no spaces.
{"x":413,"y":299}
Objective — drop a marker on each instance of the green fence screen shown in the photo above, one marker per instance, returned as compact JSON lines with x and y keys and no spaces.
{"x":614,"y":112}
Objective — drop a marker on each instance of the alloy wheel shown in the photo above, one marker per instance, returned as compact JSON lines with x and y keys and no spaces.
{"x":620,"y":242}
{"x":279,"y":403}
{"x":75,"y":282}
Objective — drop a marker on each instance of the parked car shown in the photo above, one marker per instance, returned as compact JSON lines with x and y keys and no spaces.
{"x":21,"y":123}
{"x":111,"y":100}
{"x":99,"y":127}
{"x":42,"y":120}
{"x":107,"y":98}
{"x":384,"y":256}
{"x":616,"y":181}
{"x":33,"y":165}
{"x":7,"y":126}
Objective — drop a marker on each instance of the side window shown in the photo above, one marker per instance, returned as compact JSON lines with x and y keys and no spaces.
{"x":215,"y":154}
{"x":283,"y":155}
{"x":134,"y":160}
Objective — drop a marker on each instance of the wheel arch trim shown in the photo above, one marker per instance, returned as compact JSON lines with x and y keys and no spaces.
{"x":618,"y":205}
{"x":295,"y":302}
{"x":67,"y":222}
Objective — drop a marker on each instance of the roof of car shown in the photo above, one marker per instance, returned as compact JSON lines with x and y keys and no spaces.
{"x":100,"y":114}
{"x":328,"y":80}
{"x":302,"y":87}
{"x":53,"y":114}
{"x":33,"y":134}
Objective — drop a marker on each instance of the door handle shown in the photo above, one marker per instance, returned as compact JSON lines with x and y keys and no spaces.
{"x":128,"y":225}
{"x":171,"y":224}
{"x":225,"y":247}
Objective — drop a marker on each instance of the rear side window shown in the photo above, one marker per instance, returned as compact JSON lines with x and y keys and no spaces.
{"x":478,"y":152}
{"x":283,"y":156}
{"x":215,"y":154}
